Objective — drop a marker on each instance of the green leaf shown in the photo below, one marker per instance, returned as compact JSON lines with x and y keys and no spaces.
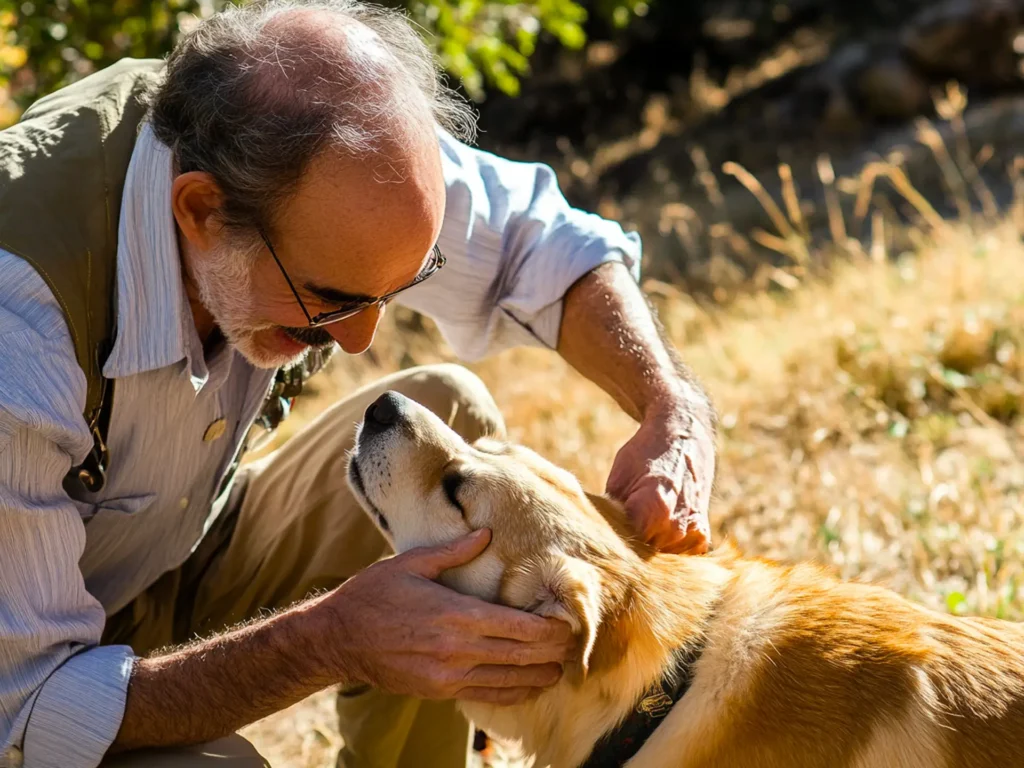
{"x":93,"y":50}
{"x":569,"y":34}
{"x":898,"y":429}
{"x":956,"y":603}
{"x":470,"y":37}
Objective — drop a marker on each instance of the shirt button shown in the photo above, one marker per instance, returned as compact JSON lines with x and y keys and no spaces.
{"x":13,"y":758}
{"x":216,"y":430}
{"x":183,"y":502}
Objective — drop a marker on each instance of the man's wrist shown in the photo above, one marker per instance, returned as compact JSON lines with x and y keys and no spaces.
{"x":339,"y":621}
{"x":313,"y":636}
{"x":678,"y":398}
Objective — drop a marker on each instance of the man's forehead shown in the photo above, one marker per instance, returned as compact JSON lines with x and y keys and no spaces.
{"x":349,"y":237}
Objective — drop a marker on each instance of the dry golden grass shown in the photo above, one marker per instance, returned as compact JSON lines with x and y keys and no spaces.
{"x":872,"y":408}
{"x":872,"y":423}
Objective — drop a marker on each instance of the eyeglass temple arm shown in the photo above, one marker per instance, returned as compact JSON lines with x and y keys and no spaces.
{"x":291,"y":285}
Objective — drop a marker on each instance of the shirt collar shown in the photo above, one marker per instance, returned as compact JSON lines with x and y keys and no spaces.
{"x":155,"y":327}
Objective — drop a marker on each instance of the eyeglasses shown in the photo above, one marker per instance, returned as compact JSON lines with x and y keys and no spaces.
{"x":437,"y":260}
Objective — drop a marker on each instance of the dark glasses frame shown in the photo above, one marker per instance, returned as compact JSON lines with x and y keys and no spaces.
{"x":326,"y":318}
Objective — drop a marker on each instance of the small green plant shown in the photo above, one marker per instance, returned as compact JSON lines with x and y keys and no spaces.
{"x":45,"y":44}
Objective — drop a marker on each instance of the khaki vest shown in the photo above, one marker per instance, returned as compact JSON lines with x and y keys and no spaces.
{"x":62,"y":175}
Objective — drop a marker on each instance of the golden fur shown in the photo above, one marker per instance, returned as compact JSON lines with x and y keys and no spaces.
{"x":799,"y":670}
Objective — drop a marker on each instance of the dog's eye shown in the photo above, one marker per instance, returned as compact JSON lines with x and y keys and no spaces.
{"x":451,"y":484}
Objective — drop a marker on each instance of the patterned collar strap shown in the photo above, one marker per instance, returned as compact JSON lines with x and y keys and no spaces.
{"x":618,"y":746}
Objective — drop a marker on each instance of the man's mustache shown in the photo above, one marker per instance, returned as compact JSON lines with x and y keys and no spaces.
{"x":312,"y":337}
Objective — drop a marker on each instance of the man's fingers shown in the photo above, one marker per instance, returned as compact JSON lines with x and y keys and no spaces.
{"x":693,"y":543}
{"x":664,"y":541}
{"x":504,"y":697}
{"x":650,"y":507}
{"x":430,"y":562}
{"x":497,"y":676}
{"x":620,"y":478}
{"x":494,"y":650}
{"x":692,"y":535}
{"x":696,"y":493}
{"x":498,"y":621}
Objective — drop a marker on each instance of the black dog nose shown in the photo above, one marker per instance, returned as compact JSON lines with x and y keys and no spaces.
{"x":383,"y":412}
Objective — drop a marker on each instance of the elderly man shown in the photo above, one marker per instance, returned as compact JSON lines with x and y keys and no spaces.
{"x":173,"y":238}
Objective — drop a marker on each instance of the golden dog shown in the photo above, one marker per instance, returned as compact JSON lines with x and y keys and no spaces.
{"x":791,"y":668}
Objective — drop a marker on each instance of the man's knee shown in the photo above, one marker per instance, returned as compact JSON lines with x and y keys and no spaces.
{"x":457,"y":396}
{"x":230,"y":752}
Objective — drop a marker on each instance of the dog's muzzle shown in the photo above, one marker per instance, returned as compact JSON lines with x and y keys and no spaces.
{"x":386,"y":412}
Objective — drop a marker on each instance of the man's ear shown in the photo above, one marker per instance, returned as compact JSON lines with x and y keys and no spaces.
{"x":196,"y":199}
{"x":570,"y":589}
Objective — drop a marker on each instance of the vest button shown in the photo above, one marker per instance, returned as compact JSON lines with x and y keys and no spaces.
{"x":13,"y":758}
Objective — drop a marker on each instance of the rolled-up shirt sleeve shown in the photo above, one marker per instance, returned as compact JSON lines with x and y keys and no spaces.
{"x":62,"y":696}
{"x":514,"y":246}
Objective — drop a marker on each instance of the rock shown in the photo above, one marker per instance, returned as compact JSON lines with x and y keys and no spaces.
{"x":862,"y":83}
{"x":840,"y":117}
{"x":971,"y":41}
{"x":890,"y":89}
{"x":823,"y":95}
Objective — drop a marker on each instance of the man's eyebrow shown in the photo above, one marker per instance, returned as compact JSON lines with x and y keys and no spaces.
{"x":335,"y":296}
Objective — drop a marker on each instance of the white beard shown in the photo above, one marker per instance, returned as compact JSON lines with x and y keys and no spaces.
{"x":224,"y":282}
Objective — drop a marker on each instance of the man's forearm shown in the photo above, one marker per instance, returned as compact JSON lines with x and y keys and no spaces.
{"x":610,"y":335}
{"x":212,"y":688}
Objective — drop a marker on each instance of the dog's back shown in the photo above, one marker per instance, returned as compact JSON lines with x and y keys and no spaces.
{"x":803,"y":670}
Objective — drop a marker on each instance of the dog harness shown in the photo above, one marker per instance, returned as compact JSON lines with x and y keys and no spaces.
{"x":618,"y":746}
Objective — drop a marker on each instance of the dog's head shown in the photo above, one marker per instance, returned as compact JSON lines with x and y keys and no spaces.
{"x":551,"y":543}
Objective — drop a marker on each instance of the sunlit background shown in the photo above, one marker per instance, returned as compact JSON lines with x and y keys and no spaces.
{"x":831,"y":202}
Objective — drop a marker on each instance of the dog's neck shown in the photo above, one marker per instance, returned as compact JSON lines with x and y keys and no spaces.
{"x":653,"y":608}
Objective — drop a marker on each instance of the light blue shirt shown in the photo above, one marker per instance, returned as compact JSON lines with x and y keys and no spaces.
{"x":514,"y":246}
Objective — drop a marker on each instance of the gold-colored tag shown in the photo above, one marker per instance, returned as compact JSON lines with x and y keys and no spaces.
{"x":216,"y":430}
{"x":655,"y":705}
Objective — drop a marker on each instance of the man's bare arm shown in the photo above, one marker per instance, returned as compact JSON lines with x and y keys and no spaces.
{"x":390,"y":626}
{"x":611,"y":336}
{"x":211,"y":688}
{"x":664,"y":474}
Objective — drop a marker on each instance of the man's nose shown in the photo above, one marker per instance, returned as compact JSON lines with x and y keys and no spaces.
{"x":355,"y":334}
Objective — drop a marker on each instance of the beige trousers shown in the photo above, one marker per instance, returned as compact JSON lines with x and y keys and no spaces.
{"x":291,"y":527}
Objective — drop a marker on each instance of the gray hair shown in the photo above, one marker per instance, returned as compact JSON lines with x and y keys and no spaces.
{"x":253,"y":105}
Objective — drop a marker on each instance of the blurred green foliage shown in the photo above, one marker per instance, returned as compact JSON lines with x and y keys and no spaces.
{"x":45,"y":44}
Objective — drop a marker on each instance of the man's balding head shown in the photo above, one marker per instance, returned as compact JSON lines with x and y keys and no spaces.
{"x":312,"y":124}
{"x":253,"y":94}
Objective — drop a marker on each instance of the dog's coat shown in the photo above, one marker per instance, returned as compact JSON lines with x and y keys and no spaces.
{"x":798,"y":669}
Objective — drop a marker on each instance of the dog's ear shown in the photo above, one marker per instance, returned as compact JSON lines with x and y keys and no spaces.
{"x":569,"y":589}
{"x":614,"y":513}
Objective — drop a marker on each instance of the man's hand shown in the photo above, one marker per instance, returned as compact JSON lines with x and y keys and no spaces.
{"x":665,"y":472}
{"x":404,"y":633}
{"x":664,"y":476}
